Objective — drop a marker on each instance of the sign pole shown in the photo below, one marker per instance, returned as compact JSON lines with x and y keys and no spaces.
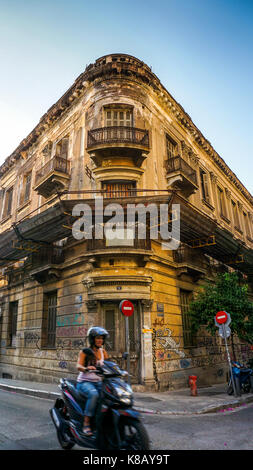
{"x":127,"y":347}
{"x":229,"y":360}
{"x":127,"y":309}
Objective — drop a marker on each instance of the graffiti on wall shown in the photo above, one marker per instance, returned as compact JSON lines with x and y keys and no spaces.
{"x":66,"y":343}
{"x":165,"y":341}
{"x":70,"y":320}
{"x":71,"y":331}
{"x":31,"y":338}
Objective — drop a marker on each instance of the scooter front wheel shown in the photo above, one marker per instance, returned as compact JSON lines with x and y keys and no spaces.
{"x":133,"y":435}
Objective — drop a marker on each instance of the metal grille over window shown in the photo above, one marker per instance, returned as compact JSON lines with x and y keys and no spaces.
{"x":118,"y":189}
{"x":49,"y":320}
{"x":13,"y":319}
{"x":185,"y":299}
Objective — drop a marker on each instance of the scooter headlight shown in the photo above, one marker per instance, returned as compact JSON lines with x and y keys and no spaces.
{"x":124,"y":394}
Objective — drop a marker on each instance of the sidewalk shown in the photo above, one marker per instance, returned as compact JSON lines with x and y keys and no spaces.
{"x":178,"y":402}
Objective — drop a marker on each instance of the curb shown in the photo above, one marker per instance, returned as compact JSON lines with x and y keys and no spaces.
{"x":52,"y":395}
{"x":29,"y":391}
{"x":209,"y":409}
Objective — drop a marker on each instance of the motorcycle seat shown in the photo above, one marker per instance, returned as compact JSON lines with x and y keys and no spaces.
{"x":71,"y":385}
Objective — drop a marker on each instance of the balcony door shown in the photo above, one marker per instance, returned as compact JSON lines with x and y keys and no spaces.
{"x":118,"y":188}
{"x":120,"y":121}
{"x":114,"y":322}
{"x":118,"y":117}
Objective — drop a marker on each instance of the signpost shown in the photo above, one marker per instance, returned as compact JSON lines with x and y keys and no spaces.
{"x":222,"y":319}
{"x":127,"y":309}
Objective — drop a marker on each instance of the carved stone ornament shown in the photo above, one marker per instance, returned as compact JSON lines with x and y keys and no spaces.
{"x":147,"y":304}
{"x":92,"y":304}
{"x":188,"y":152}
{"x":213,"y":177}
{"x":88,"y":282}
{"x":228,"y":193}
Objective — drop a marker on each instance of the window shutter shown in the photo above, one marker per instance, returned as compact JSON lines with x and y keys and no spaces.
{"x":206,"y":188}
{"x":64,"y":148}
{"x":27,"y":186}
{"x":1,"y":201}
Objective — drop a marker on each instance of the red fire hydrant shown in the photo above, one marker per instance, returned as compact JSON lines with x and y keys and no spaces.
{"x":193,"y":385}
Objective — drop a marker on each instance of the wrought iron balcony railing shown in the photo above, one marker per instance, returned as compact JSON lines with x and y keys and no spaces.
{"x":118,"y":134}
{"x":57,"y":164}
{"x":190,"y":256}
{"x":179,"y":164}
{"x":137,"y":244}
{"x":46,"y":255}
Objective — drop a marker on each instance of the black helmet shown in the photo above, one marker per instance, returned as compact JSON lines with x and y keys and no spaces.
{"x":96,"y":331}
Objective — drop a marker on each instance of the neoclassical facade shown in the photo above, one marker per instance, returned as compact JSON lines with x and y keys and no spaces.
{"x":116,"y":135}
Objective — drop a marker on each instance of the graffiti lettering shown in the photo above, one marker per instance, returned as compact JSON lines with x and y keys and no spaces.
{"x":70,"y":320}
{"x":71,"y":331}
{"x":70,"y":343}
{"x":31,"y":337}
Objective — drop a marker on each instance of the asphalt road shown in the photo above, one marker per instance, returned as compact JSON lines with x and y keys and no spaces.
{"x":25,"y":424}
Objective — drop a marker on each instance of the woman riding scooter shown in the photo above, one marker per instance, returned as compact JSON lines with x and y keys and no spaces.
{"x":89,"y":383}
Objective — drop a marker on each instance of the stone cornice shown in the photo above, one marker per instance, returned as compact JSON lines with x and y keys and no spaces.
{"x":128,"y":67}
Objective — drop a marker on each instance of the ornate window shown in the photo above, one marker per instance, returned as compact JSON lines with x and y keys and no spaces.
{"x":8,"y":202}
{"x":171,"y":146}
{"x":222,"y":203}
{"x":204,"y":185}
{"x":25,"y":188}
{"x":236,"y":215}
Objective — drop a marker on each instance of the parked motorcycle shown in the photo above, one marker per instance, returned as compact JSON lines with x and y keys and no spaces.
{"x":243,"y":379}
{"x":115,"y":426}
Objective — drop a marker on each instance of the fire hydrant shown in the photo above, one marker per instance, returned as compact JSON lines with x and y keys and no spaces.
{"x":193,"y":385}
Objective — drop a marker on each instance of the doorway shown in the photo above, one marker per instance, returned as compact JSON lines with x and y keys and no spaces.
{"x":114,"y":322}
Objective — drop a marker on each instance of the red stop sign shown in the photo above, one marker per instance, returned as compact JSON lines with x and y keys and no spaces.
{"x":126,"y":307}
{"x":221,"y":317}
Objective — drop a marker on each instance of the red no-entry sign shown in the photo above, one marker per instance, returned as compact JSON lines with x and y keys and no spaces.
{"x":221,"y":317}
{"x":126,"y":307}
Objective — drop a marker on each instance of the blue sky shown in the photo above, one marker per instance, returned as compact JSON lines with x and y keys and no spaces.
{"x":201,"y":50}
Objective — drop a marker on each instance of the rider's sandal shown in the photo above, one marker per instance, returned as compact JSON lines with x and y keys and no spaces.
{"x":87,"y":431}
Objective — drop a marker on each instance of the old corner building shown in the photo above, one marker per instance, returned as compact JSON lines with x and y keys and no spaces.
{"x":118,"y":132}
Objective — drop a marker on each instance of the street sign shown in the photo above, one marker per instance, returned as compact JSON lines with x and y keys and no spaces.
{"x":221,"y":317}
{"x":126,"y":307}
{"x":224,"y":331}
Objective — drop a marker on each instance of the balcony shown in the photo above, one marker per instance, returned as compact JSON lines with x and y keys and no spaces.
{"x":181,"y":175}
{"x":55,"y":174}
{"x":118,"y":141}
{"x":141,"y":249}
{"x":190,"y":261}
{"x":43,"y":264}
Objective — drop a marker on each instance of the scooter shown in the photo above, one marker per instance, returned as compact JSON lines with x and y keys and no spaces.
{"x":115,"y":425}
{"x":243,"y":379}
